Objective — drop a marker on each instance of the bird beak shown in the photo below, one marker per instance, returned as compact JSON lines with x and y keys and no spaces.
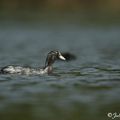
{"x":61,"y":57}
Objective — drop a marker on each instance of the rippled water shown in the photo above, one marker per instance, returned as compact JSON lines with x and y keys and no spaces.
{"x":81,"y":89}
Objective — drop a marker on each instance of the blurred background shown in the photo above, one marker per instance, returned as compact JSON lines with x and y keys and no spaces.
{"x":84,"y":88}
{"x":85,"y":11}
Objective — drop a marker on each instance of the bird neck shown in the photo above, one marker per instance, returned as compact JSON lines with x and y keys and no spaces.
{"x":48,"y":69}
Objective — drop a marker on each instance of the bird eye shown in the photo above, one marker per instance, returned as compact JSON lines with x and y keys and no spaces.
{"x":56,"y":52}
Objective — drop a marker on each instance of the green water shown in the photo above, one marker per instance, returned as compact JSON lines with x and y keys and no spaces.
{"x":82,"y":89}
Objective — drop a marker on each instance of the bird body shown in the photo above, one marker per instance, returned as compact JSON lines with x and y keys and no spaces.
{"x":51,"y":58}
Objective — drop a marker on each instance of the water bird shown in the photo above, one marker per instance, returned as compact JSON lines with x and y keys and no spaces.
{"x":51,"y":58}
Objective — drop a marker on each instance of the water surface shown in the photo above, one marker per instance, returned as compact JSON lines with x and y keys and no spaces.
{"x":82,"y":89}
